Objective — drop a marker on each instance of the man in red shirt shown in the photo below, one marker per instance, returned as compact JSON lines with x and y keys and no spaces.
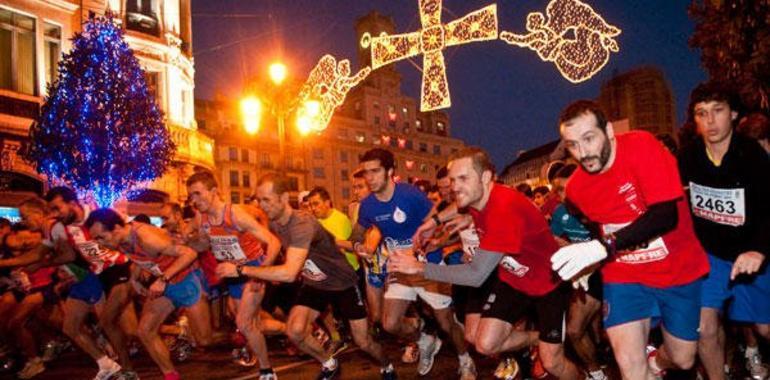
{"x":515,"y":248}
{"x":652,"y":261}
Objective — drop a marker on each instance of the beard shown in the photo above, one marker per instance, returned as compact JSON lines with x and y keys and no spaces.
{"x":603,"y":158}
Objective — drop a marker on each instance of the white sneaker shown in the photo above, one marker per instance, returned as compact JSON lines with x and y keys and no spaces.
{"x":467,"y":370}
{"x":107,"y":372}
{"x":268,"y":376}
{"x":508,"y":369}
{"x":429,"y":346}
{"x":597,"y":375}
{"x":756,"y":368}
{"x":34,"y":367}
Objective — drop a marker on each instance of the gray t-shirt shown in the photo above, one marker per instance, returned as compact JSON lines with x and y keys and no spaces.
{"x":325,"y":267}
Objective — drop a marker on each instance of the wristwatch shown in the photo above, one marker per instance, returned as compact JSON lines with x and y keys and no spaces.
{"x":610,"y":243}
{"x":436,"y":219}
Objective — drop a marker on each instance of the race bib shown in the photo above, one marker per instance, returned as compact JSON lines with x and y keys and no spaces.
{"x":227,"y":248}
{"x":516,"y":268}
{"x":653,"y":250}
{"x":149,"y":266}
{"x":470,"y":240}
{"x":312,"y":272}
{"x":89,"y":250}
{"x":723,"y":206}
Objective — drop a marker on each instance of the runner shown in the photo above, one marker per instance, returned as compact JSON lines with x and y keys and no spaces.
{"x":328,"y":279}
{"x":174,"y":284}
{"x":514,"y":236}
{"x":236,"y":237}
{"x":726,"y":174}
{"x":397,"y":210}
{"x":629,"y":184}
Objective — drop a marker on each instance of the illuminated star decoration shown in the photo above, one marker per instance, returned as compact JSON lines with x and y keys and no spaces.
{"x":430,"y":41}
{"x":325,"y":90}
{"x":577,"y":57}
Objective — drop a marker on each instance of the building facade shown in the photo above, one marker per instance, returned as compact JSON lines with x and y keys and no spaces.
{"x":643,"y":96}
{"x":33,"y":35}
{"x":375,"y":114}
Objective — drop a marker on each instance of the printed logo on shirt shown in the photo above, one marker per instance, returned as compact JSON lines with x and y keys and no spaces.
{"x":650,"y":251}
{"x":628,"y":192}
{"x":399,"y":216}
{"x":312,"y":272}
{"x":516,"y":268}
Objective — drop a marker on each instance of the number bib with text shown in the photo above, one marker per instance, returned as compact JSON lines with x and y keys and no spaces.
{"x":653,"y":250}
{"x":227,"y":248}
{"x":723,"y":206}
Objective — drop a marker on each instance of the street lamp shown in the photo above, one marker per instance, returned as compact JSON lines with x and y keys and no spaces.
{"x":277,"y":72}
{"x":251,"y":111}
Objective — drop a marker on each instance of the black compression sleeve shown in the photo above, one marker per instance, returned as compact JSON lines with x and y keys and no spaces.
{"x":660,"y":218}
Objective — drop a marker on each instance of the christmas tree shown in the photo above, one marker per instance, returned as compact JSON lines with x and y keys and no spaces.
{"x":734,"y":38}
{"x":100,"y":130}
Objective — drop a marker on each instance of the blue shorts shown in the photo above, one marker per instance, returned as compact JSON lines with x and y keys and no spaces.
{"x":743,"y":298}
{"x":235,"y":285}
{"x":88,"y":290}
{"x":677,"y":307}
{"x":184,"y":293}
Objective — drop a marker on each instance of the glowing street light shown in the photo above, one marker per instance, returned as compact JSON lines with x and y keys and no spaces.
{"x":251,"y":111}
{"x":307,"y":116}
{"x":277,"y":72}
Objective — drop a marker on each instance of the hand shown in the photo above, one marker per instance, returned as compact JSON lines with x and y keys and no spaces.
{"x":139,"y":288}
{"x":227,"y":270}
{"x":425,"y":231}
{"x":581,"y":282}
{"x":403,"y":262}
{"x":360,"y":250}
{"x":458,"y":223}
{"x":747,"y":263}
{"x":157,"y":288}
{"x":572,"y":259}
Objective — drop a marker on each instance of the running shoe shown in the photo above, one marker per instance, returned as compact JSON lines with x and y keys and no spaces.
{"x":429,"y":346}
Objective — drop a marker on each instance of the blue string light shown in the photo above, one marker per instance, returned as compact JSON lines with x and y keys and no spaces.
{"x":99,"y":129}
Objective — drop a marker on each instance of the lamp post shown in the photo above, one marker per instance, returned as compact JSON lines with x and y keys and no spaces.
{"x":281,"y":103}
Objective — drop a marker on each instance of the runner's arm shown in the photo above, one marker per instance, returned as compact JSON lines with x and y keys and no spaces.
{"x":472,"y":274}
{"x":659,"y":218}
{"x":247,"y":223}
{"x":286,"y":272}
{"x":155,"y":242}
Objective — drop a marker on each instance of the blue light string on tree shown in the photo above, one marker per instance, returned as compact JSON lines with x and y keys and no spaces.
{"x":100,"y":130}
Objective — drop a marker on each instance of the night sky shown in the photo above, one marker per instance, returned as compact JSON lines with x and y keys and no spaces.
{"x":504,"y":98}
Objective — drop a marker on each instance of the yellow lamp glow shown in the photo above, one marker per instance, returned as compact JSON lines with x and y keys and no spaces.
{"x":251,"y":111}
{"x":277,"y":72}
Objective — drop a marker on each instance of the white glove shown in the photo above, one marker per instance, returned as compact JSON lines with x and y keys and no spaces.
{"x":581,"y":282}
{"x":572,"y":259}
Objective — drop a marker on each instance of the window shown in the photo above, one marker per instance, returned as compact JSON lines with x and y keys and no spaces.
{"x":406,"y":127}
{"x":418,"y":125}
{"x":142,"y":16}
{"x":318,"y":154}
{"x":246,"y":179}
{"x":235,"y":197}
{"x":52,"y":50}
{"x":344,"y":174}
{"x":404,"y":111}
{"x":440,"y":128}
{"x":409,"y":144}
{"x":17,"y":52}
{"x":346,"y":192}
{"x":152,"y":79}
{"x":233,"y":153}
{"x":264,"y":161}
{"x":343,"y":156}
{"x":437,"y":150}
{"x":376,"y":105}
{"x":319,"y":173}
{"x":293,"y":184}
{"x":244,"y":155}
{"x":233,"y":178}
{"x":424,"y":167}
{"x":423,"y":147}
{"x":360,"y":137}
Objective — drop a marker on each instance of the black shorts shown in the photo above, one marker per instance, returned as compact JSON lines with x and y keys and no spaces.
{"x":114,"y":276}
{"x":477,"y":297}
{"x":346,"y":304}
{"x":595,"y":287}
{"x":510,"y":305}
{"x":281,"y":296}
{"x":47,"y":291}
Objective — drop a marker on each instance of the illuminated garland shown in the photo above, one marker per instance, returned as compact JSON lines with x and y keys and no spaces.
{"x":430,"y":41}
{"x":325,"y":89}
{"x":577,"y":58}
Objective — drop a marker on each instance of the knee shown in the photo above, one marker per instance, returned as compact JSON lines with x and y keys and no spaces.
{"x":245,"y":323}
{"x":391,"y":325}
{"x":575,"y":332}
{"x":553,"y":362}
{"x":683,"y":359}
{"x":296,"y":333}
{"x":708,"y":332}
{"x":145,"y":332}
{"x":628,"y":361}
{"x":70,"y":328}
{"x":763,"y":330}
{"x":487,"y":347}
{"x":363,"y":342}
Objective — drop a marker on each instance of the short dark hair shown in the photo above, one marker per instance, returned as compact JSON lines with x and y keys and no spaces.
{"x":479,"y":157}
{"x":565,"y":171}
{"x":755,"y":126}
{"x":188,"y":212}
{"x":66,"y":194}
{"x":108,"y":217}
{"x":205,"y":177}
{"x":541,"y":190}
{"x":383,"y":155}
{"x":321,"y":192}
{"x":142,"y":218}
{"x":36,"y":203}
{"x":711,"y":92}
{"x":281,"y":183}
{"x":524,"y":189}
{"x":442,"y":173}
{"x":582,"y":107}
{"x":4,"y":222}
{"x":359,"y":173}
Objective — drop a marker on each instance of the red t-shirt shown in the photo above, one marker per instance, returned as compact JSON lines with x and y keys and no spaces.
{"x":644,"y":173}
{"x":511,"y":224}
